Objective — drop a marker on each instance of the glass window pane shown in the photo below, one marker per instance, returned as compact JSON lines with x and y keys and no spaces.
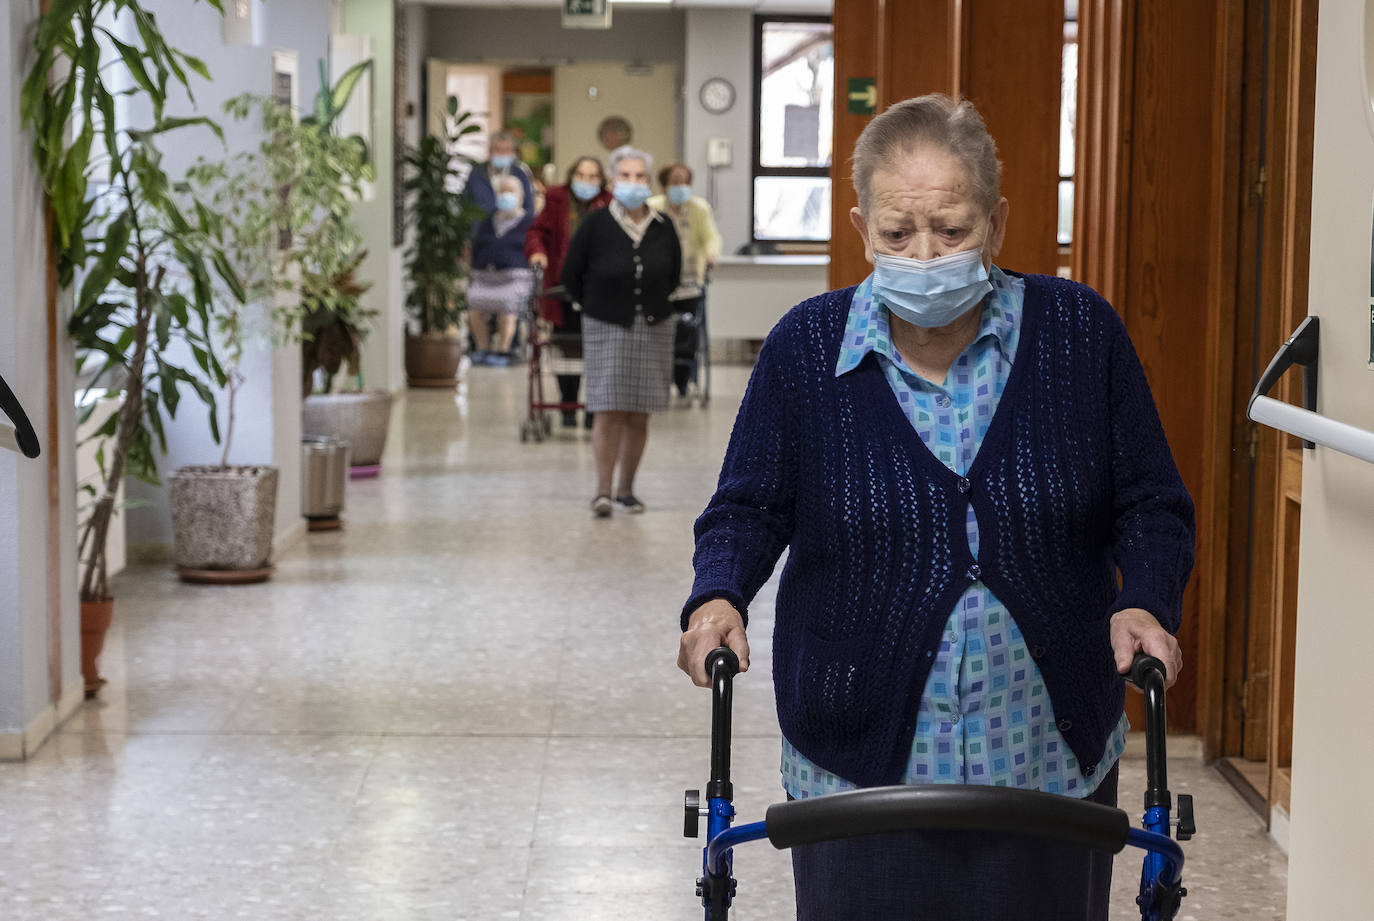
{"x":796,"y":94}
{"x":1068,"y":108}
{"x":792,"y":208}
{"x":1065,"y":212}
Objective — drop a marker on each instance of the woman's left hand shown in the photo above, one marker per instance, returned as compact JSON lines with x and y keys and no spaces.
{"x":1135,"y":630}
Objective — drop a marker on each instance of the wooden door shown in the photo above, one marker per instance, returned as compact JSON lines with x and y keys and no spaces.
{"x":1253,"y":725}
{"x":937,"y":46}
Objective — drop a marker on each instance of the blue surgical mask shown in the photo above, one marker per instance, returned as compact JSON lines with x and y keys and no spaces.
{"x":679,"y":194}
{"x":931,"y":292}
{"x":507,"y":201}
{"x":502,"y":162}
{"x":631,"y":195}
{"x":585,"y":191}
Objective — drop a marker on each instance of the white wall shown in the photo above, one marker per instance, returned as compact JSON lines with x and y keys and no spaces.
{"x":267,"y":426}
{"x":26,"y":708}
{"x":1332,"y":833}
{"x":720,"y":43}
{"x":648,"y":100}
{"x":537,"y":35}
{"x":384,"y":350}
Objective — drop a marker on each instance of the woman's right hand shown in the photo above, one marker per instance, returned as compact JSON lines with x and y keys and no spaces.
{"x":715,"y":623}
{"x":539,"y":261}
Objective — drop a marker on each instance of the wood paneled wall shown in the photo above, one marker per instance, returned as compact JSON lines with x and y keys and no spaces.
{"x":1154,"y":232}
{"x":1005,"y":56}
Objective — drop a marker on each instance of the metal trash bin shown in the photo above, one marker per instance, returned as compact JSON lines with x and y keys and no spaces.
{"x":324,"y":476}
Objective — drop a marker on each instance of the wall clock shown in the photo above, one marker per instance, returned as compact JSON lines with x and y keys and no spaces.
{"x":717,"y":95}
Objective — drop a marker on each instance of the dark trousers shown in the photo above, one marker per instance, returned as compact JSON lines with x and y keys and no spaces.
{"x":954,"y":876}
{"x":685,"y":342}
{"x":567,"y":338}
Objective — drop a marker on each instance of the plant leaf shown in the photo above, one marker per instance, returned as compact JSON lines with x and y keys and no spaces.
{"x":99,"y":276}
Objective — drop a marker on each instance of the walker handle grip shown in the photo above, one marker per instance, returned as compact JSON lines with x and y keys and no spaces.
{"x":1141,"y":668}
{"x":722,"y":665}
{"x":1148,"y":674}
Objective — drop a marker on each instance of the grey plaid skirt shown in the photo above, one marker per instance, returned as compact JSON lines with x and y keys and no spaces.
{"x":627,"y":370}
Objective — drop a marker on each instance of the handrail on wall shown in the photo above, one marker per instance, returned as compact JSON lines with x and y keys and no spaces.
{"x":1303,"y":348}
{"x":20,"y":435}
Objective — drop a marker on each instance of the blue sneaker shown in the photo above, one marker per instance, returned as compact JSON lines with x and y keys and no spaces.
{"x":479,"y":357}
{"x":497,"y":360}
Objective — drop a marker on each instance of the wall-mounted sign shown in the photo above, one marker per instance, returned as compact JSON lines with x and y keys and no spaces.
{"x":863,"y":95}
{"x":586,"y":14}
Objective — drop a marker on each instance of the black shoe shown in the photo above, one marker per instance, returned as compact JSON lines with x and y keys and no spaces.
{"x":632,"y":505}
{"x":569,"y":418}
{"x":587,"y":420}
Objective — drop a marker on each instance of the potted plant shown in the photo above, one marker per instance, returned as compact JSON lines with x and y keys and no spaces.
{"x":334,"y":321}
{"x":224,"y":515}
{"x":143,"y":257}
{"x":440,"y":219}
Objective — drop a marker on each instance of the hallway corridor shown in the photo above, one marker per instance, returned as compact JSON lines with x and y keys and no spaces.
{"x":462,"y":706}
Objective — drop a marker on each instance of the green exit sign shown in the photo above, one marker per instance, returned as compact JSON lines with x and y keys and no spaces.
{"x":863,"y":95}
{"x":586,"y":14}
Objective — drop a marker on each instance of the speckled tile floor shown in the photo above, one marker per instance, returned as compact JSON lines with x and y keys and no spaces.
{"x":463,"y":706}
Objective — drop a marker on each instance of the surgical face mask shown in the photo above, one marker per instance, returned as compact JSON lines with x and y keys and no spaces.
{"x":631,"y":195}
{"x":678,"y":194}
{"x":507,"y":201}
{"x":585,"y":191}
{"x":931,"y":292}
{"x":502,"y":162}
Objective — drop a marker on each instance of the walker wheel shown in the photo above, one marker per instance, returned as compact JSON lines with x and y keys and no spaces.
{"x":524,"y":432}
{"x":546,"y":424}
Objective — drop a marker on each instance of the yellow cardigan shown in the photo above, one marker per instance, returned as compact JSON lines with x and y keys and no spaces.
{"x":704,"y":239}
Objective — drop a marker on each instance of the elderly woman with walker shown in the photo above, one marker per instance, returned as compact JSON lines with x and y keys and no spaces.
{"x":984,"y":526}
{"x":623,"y":264}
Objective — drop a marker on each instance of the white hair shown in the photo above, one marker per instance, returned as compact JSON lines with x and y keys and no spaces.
{"x":938,"y":121}
{"x":507,"y":181}
{"x":627,"y":152}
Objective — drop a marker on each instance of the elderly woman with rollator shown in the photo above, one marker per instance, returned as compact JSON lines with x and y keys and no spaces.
{"x":984,"y":524}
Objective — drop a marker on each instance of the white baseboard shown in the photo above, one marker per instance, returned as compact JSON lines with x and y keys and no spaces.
{"x":289,"y":537}
{"x":19,"y":746}
{"x":1279,"y":826}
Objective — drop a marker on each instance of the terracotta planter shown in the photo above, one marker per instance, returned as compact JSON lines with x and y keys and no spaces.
{"x":358,"y":419}
{"x":96,"y":617}
{"x":222,"y":522}
{"x":432,"y":360}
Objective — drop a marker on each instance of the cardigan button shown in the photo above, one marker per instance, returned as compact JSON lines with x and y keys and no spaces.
{"x":975,"y":572}
{"x":964,"y":484}
{"x":1090,"y":770}
{"x":1038,"y":652}
{"x":1064,"y":725}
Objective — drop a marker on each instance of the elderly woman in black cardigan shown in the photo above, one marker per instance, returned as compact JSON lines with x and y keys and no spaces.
{"x":622,"y":264}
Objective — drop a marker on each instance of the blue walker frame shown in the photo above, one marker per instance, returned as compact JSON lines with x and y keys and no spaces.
{"x":945,"y":806}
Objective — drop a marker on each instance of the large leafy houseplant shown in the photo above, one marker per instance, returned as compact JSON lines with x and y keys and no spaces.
{"x":143,"y":251}
{"x":289,"y":230}
{"x":440,"y":220}
{"x":334,"y":170}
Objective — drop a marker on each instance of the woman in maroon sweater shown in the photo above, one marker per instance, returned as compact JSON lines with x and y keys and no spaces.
{"x":546,"y":245}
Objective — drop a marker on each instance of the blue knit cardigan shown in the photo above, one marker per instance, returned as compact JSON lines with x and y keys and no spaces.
{"x":1074,"y":480}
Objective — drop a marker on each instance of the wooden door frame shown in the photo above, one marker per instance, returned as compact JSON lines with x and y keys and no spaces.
{"x":1286,"y":190}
